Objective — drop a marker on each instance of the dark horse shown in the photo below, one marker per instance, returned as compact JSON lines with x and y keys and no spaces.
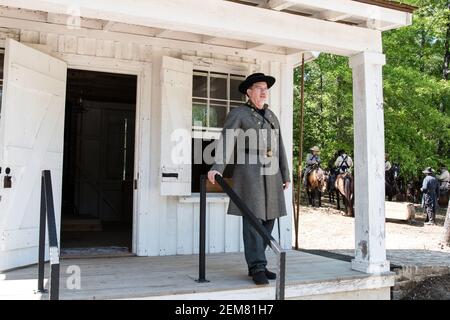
{"x":391,"y":181}
{"x":317,"y":181}
{"x":331,"y":187}
{"x":344,"y":187}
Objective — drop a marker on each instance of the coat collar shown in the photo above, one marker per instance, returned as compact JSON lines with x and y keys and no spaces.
{"x":267,"y":116}
{"x":252,"y":105}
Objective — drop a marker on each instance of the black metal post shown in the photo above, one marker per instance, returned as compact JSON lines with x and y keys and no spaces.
{"x":202,"y":237}
{"x":47,"y":218}
{"x":54,"y":281}
{"x":41,"y":257}
{"x":281,"y":279}
{"x":52,"y":237}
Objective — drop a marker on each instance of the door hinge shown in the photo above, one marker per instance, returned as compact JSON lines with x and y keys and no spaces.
{"x":135,"y":184}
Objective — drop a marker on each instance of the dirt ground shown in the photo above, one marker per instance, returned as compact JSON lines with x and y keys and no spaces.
{"x":407,"y":243}
{"x":326,"y":229}
{"x":435,"y":288}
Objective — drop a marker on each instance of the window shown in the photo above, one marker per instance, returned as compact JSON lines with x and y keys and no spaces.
{"x":213,"y":96}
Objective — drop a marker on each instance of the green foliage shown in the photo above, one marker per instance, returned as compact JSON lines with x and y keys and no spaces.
{"x":417,"y":98}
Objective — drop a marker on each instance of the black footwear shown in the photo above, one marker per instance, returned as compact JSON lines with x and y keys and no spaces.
{"x":270,"y":275}
{"x":259,"y":278}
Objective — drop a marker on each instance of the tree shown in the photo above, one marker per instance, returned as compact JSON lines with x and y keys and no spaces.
{"x":417,"y":97}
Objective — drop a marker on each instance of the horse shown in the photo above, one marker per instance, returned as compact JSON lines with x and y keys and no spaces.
{"x":317,"y":181}
{"x":344,"y":187}
{"x":391,"y":181}
{"x":444,"y":196}
{"x":331,"y":187}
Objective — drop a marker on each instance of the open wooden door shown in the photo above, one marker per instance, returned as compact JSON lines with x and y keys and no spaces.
{"x":31,"y":140}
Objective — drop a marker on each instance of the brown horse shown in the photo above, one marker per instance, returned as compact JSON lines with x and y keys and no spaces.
{"x":316,"y":184}
{"x":344,"y":187}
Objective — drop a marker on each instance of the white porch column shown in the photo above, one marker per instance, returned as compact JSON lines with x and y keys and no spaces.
{"x":368,"y":115}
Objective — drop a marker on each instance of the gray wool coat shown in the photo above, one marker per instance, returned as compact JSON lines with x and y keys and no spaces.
{"x":258,"y":176}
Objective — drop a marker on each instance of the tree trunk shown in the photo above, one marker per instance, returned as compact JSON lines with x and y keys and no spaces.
{"x":445,"y":75}
{"x":446,"y":237}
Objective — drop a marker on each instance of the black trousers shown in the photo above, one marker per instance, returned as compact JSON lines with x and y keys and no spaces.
{"x":254,"y":246}
{"x":430,"y":206}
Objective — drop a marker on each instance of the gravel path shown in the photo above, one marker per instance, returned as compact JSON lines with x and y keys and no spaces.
{"x":406,"y":243}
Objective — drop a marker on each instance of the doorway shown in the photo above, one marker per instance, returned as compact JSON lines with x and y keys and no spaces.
{"x":98,"y":167}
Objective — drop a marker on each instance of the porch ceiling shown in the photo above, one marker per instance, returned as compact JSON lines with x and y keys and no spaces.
{"x":151,"y":32}
{"x":372,"y":14}
{"x":230,"y":24}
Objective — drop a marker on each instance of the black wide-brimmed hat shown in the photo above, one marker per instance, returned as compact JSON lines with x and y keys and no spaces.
{"x":253,"y":78}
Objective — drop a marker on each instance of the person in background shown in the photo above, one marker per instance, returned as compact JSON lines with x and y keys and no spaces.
{"x":387,"y":163}
{"x":343,"y":162}
{"x":430,"y":189}
{"x":312,"y":159}
{"x":444,"y":179}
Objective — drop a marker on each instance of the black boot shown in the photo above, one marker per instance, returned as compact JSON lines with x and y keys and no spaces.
{"x":259,"y":278}
{"x":270,"y":275}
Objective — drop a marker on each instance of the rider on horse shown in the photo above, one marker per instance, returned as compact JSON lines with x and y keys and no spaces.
{"x":444,"y":179}
{"x":312,"y":160}
{"x":343,"y":162}
{"x":387,"y":163}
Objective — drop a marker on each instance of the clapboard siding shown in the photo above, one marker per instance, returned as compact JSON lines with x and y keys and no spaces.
{"x":169,"y":225}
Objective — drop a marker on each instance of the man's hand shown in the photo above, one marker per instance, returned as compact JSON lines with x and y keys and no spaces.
{"x":211,"y":175}
{"x":286,"y":185}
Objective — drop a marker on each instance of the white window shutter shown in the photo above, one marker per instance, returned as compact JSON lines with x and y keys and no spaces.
{"x":176,"y":127}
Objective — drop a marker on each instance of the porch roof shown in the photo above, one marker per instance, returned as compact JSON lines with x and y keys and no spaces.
{"x":343,"y":27}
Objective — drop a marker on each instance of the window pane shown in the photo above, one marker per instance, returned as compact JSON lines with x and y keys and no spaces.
{"x":217,"y":114}
{"x":218,"y":86}
{"x":234,"y":90}
{"x":199,"y":113}
{"x":199,"y":86}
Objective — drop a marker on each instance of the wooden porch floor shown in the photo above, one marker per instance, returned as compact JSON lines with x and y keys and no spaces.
{"x":172,"y":277}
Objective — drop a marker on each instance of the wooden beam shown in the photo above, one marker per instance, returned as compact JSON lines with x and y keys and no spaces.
{"x":279,"y":4}
{"x":14,"y":23}
{"x":108,"y":25}
{"x":383,"y":15}
{"x":225,"y":19}
{"x":254,"y":45}
{"x":332,"y":15}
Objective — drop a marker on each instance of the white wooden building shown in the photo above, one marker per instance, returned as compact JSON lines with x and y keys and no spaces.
{"x":73,"y":64}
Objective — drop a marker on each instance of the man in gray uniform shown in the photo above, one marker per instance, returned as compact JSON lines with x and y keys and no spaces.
{"x":262,"y":177}
{"x":430,"y":189}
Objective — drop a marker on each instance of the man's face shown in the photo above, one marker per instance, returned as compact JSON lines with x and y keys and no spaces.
{"x":258,"y":93}
{"x":315,"y":153}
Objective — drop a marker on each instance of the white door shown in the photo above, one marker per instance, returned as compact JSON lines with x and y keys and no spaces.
{"x":31,"y":140}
